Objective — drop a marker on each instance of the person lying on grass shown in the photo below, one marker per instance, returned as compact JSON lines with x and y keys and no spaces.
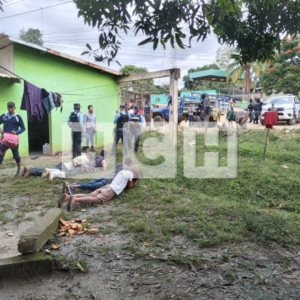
{"x":99,"y":182}
{"x":106,"y":193}
{"x":79,"y":165}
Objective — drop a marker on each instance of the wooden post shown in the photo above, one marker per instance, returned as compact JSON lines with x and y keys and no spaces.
{"x":267,"y":136}
{"x":173,"y":109}
{"x":206,"y":124}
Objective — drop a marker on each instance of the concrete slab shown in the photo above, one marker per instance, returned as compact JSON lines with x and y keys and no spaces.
{"x":39,"y":233}
{"x":26,"y":266}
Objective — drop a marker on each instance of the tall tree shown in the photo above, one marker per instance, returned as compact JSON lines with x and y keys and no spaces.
{"x":32,"y":36}
{"x":249,"y":69}
{"x":283,"y":72}
{"x":235,"y":22}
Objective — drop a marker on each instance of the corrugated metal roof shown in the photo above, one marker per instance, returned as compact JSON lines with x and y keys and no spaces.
{"x":6,"y":40}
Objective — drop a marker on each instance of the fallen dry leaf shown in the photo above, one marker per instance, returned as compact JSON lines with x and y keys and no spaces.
{"x":71,"y":232}
{"x":53,"y":246}
{"x":83,"y":210}
{"x":284,"y":166}
{"x":47,"y":251}
{"x":163,"y":250}
{"x":65,"y":223}
{"x":146,"y":244}
{"x":83,"y":221}
{"x":93,"y":230}
{"x":151,"y":255}
{"x":10,"y":234}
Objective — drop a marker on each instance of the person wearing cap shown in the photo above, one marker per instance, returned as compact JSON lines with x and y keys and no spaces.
{"x":90,"y":126}
{"x":148,"y":111}
{"x":13,"y":124}
{"x":75,"y":122}
{"x":121,"y":120}
{"x":136,"y":122}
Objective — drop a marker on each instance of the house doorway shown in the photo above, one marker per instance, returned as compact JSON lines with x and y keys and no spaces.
{"x":38,"y":134}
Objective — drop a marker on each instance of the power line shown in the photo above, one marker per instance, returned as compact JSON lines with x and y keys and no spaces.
{"x":34,"y":10}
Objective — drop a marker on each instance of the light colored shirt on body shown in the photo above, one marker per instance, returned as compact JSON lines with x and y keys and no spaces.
{"x":120,"y":181}
{"x":89,"y":120}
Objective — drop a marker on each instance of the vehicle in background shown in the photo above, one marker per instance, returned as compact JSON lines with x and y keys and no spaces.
{"x":287,"y":106}
{"x":161,"y":115}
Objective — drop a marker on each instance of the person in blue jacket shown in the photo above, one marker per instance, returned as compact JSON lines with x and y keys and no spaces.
{"x":11,"y":123}
{"x":75,"y":122}
{"x":121,"y":120}
{"x":136,"y":122}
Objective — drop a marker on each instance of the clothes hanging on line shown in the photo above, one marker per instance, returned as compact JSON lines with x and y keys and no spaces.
{"x":48,"y":102}
{"x":271,"y":118}
{"x":216,"y":114}
{"x":32,"y":101}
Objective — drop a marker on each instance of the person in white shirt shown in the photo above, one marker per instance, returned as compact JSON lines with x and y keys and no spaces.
{"x":106,"y":193}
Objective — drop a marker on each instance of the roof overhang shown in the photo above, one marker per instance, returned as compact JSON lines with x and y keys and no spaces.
{"x":11,"y":77}
{"x":6,"y":40}
{"x":211,"y":75}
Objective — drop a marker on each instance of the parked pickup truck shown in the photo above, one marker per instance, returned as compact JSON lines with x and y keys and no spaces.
{"x":161,"y":115}
{"x":287,"y":106}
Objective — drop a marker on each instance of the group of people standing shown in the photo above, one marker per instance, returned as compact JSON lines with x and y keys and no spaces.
{"x":202,"y":111}
{"x":254,"y":110}
{"x":129,"y":122}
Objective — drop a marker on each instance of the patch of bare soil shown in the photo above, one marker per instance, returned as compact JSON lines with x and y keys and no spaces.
{"x":179,"y":271}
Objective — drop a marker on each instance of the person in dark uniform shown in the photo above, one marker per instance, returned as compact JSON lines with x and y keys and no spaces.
{"x":136,"y":122}
{"x":148,"y":112}
{"x":250,"y":109}
{"x":257,"y":110}
{"x":13,"y":124}
{"x":201,"y":109}
{"x":121,"y":119}
{"x":75,"y":122}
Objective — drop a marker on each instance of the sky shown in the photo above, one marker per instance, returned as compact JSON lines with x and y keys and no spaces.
{"x":64,"y":31}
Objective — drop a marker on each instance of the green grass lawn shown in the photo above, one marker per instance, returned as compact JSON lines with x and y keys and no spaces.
{"x":261,"y":204}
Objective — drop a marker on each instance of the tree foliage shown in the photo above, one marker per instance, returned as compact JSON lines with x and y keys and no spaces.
{"x":223,"y":57}
{"x":250,"y":70}
{"x":236,"y":22}
{"x":1,"y":4}
{"x":136,"y":70}
{"x":283,"y":72}
{"x":32,"y":36}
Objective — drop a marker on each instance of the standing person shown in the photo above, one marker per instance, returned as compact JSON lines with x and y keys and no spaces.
{"x":250,"y":109}
{"x":75,"y":122}
{"x":90,"y":126}
{"x":121,"y":120}
{"x":148,"y":112}
{"x":106,"y":193}
{"x":136,"y":122}
{"x":11,"y":123}
{"x":140,"y":105}
{"x":230,"y":114}
{"x":130,"y":107}
{"x":191,"y":114}
{"x":257,"y":110}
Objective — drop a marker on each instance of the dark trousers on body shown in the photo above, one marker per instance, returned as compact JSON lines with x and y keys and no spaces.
{"x":94,"y":184}
{"x":136,"y":135}
{"x":251,"y":116}
{"x":15,"y":152}
{"x":120,"y":135}
{"x":257,"y":114}
{"x":76,"y":139}
{"x":191,"y":120}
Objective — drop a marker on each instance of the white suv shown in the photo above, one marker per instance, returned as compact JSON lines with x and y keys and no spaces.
{"x":287,"y":106}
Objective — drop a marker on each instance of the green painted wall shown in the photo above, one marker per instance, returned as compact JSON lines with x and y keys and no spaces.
{"x":161,"y":97}
{"x":61,"y":75}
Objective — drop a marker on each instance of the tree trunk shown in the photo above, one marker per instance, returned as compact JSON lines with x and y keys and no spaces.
{"x":247,"y":80}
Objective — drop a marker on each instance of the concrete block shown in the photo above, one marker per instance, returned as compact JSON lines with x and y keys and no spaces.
{"x":26,"y":266}
{"x":39,"y":233}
